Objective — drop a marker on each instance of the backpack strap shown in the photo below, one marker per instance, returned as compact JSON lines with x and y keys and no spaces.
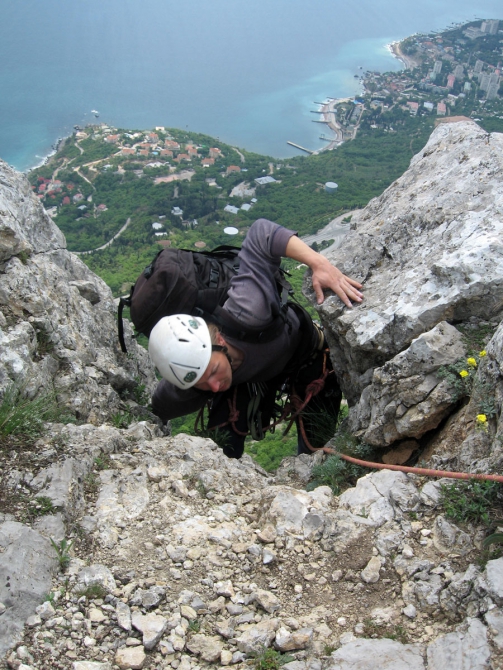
{"x":123,"y":302}
{"x":234,"y":328}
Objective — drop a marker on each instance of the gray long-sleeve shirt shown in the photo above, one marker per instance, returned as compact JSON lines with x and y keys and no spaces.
{"x":253,"y":299}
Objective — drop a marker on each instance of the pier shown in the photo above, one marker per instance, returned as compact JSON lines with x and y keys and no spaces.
{"x":297,"y":146}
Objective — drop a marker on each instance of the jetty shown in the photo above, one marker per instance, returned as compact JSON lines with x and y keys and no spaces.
{"x":297,"y":146}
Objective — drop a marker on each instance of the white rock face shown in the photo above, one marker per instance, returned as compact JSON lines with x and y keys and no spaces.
{"x":363,"y":654}
{"x":57,"y":319}
{"x":429,"y":250}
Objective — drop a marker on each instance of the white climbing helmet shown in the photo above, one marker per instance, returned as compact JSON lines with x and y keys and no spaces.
{"x":180,"y":348}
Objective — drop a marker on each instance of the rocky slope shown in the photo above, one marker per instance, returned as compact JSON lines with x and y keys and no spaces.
{"x":57,"y":318}
{"x":430,"y":253}
{"x":181,"y":558}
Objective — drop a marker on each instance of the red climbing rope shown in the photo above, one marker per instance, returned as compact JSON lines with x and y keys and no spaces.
{"x":426,"y":472}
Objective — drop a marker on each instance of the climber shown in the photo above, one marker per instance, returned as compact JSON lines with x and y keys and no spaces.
{"x":242,"y":379}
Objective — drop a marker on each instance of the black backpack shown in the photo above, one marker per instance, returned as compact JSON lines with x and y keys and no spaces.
{"x":179,"y":281}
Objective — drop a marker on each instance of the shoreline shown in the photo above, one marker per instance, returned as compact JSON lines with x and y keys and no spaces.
{"x":45,"y":160}
{"x":409,"y":62}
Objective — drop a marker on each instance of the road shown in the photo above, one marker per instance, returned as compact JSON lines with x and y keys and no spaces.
{"x":335,"y":230}
{"x":107,"y":244}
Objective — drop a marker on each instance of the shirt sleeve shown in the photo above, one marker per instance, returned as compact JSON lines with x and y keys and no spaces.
{"x":170,"y":402}
{"x":253,"y":296}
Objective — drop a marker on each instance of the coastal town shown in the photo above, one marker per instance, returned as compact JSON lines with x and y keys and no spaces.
{"x":453,"y":73}
{"x":170,"y":187}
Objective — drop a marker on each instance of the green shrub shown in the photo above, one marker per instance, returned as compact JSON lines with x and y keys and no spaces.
{"x":471,"y":500}
{"x":270,"y":659}
{"x":270,"y":451}
{"x":40,"y":506}
{"x":336,"y":472}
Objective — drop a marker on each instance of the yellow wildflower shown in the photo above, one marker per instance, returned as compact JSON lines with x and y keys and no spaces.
{"x":483,"y":353}
{"x":464,"y":373}
{"x":471,"y":362}
{"x":481,"y":418}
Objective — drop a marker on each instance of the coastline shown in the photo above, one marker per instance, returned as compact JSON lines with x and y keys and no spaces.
{"x":45,"y":159}
{"x":394,"y":48}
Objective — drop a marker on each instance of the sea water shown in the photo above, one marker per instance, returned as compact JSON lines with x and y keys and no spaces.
{"x":247,"y":72}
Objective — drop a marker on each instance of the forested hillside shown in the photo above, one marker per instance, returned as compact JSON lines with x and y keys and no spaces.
{"x":174,"y":190}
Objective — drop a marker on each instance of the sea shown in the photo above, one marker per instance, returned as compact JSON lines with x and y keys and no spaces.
{"x":249,"y":72}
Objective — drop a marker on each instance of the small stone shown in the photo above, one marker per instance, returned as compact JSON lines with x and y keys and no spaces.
{"x":133,"y":642}
{"x":337,"y":575}
{"x":224,"y":589}
{"x":130,"y":658}
{"x":95,"y":615}
{"x":188,"y":613}
{"x":2,"y":608}
{"x":155,"y":474}
{"x":299,"y":639}
{"x":341,"y":621}
{"x":166,"y":647}
{"x":96,"y":574}
{"x":370,"y":574}
{"x":91,"y":665}
{"x":89,"y":642}
{"x":180,"y":489}
{"x":33,"y":621}
{"x":255,"y":638}
{"x":407,"y":552}
{"x":298,"y":588}
{"x":225,"y":657}
{"x":45,"y":611}
{"x":360,"y":628}
{"x":268,"y":556}
{"x":152,"y":626}
{"x":209,"y":648}
{"x":410,"y":611}
{"x":267,"y":535}
{"x":238,"y":657}
{"x":267,"y":600}
{"x":123,"y":614}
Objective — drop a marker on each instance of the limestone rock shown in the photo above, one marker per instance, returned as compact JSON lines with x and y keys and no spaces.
{"x":406,"y":398}
{"x":266,"y":600}
{"x":370,"y":574}
{"x":299,"y":639}
{"x":494,"y":620}
{"x":152,"y":626}
{"x":130,"y":658}
{"x":256,"y":637}
{"x":96,"y":575}
{"x":468,"y":649}
{"x":494,"y":579}
{"x":425,"y":248}
{"x":123,"y":615}
{"x":61,"y":332}
{"x":448,"y":538}
{"x":209,"y":648}
{"x":27,"y":565}
{"x":362,"y":654}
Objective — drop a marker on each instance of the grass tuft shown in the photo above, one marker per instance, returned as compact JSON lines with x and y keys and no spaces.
{"x":24,"y":416}
{"x":471,"y":500}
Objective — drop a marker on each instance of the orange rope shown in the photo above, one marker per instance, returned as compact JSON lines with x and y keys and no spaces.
{"x":426,"y":472}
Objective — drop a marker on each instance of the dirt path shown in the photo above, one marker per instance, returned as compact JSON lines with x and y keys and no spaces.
{"x":107,"y":244}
